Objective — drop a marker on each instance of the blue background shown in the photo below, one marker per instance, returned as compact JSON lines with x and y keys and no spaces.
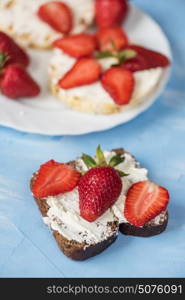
{"x":156,"y":138}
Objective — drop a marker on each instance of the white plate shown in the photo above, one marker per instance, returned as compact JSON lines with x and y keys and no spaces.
{"x":45,"y":115}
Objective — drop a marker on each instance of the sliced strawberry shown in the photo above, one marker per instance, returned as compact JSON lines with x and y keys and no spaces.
{"x":146,"y":59}
{"x":85,"y":71}
{"x":110,"y":12}
{"x":58,"y":15}
{"x":111,"y":38}
{"x":54,"y":178}
{"x":77,"y":45}
{"x":15,"y":54}
{"x":17,"y":83}
{"x":145,"y":200}
{"x":119,"y":83}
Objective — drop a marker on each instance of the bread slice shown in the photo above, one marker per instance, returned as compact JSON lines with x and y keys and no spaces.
{"x":18,"y":19}
{"x":76,"y":250}
{"x":93,"y":98}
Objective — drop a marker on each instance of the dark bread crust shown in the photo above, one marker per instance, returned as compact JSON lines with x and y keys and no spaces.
{"x":77,"y":251}
{"x":149,"y":229}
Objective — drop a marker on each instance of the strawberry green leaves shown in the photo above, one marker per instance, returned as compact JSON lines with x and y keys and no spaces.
{"x":89,"y":161}
{"x":100,"y":161}
{"x":116,"y":160}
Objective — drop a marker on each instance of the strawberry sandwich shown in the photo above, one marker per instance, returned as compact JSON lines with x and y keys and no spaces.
{"x":86,"y":202}
{"x":104,"y":73}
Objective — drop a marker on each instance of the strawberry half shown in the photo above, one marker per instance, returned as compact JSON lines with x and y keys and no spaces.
{"x":17,"y":83}
{"x":145,"y":200}
{"x":110,"y":12}
{"x":85,"y":71}
{"x":54,"y":178}
{"x":77,"y":45}
{"x":145,"y":59}
{"x":119,"y":83}
{"x":58,"y":15}
{"x":14,"y":53}
{"x":111,"y":39}
{"x":98,"y":190}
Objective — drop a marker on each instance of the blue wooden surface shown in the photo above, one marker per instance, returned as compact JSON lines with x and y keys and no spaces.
{"x":156,"y":138}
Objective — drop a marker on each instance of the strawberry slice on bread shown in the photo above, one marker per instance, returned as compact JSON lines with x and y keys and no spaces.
{"x":145,"y":59}
{"x":85,"y":71}
{"x":54,"y":178}
{"x":119,"y":83}
{"x":111,"y":38}
{"x":77,"y":45}
{"x":144,"y":201}
{"x":58,"y":15}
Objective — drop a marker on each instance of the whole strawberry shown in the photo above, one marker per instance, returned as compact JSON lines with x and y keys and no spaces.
{"x":98,"y":190}
{"x":100,"y":186}
{"x":13,"y":52}
{"x":17,"y":83}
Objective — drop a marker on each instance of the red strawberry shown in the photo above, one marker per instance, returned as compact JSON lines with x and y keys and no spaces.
{"x":145,"y":59}
{"x":111,"y":38}
{"x":54,"y":178}
{"x":98,"y":190}
{"x":145,"y":200}
{"x":15,"y":54}
{"x":110,"y":12}
{"x":17,"y":83}
{"x":135,"y":64}
{"x":119,"y":83}
{"x":58,"y":15}
{"x":85,"y":71}
{"x":77,"y":45}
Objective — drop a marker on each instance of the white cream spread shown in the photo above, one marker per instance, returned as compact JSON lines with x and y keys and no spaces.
{"x":64,"y":215}
{"x":146,"y":81}
{"x":21,"y":17}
